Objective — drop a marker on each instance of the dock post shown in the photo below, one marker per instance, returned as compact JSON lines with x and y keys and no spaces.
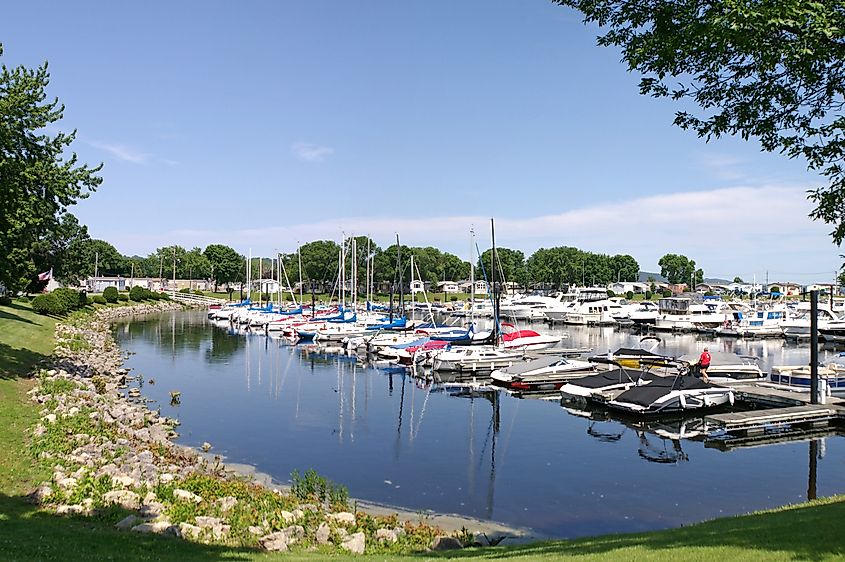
{"x":814,"y":347}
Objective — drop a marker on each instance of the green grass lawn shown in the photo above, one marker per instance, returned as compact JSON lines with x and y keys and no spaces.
{"x":804,"y":532}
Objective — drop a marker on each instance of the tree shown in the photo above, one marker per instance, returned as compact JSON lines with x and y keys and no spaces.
{"x":738,"y":280}
{"x":194,"y":265}
{"x":87,"y":257}
{"x":319,"y":260}
{"x":226,"y":264}
{"x":38,"y":182}
{"x":511,"y":265}
{"x":51,"y":251}
{"x":770,"y":70}
{"x":679,"y":269}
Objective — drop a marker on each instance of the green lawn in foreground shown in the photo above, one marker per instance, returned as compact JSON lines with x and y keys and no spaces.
{"x":804,"y":532}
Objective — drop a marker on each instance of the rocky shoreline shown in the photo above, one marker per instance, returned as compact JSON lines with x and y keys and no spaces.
{"x":110,"y":454}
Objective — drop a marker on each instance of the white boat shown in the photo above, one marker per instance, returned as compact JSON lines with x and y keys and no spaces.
{"x":728,"y":367}
{"x":646,"y":313}
{"x":680,"y":393}
{"x":680,"y":314}
{"x":798,"y":377}
{"x":526,"y":339}
{"x":475,"y":358}
{"x":541,"y":373}
{"x":763,"y":323}
{"x":797,"y":326}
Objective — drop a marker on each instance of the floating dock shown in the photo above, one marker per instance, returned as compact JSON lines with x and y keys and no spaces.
{"x":779,"y":415}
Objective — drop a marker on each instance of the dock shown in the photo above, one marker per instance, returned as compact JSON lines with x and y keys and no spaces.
{"x":779,"y":415}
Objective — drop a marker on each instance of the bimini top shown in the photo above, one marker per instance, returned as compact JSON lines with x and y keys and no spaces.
{"x":612,"y":377}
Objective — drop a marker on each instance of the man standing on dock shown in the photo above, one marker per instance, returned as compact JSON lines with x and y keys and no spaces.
{"x":703,"y":364}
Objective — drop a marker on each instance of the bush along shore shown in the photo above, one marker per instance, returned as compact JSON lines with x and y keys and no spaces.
{"x":112,"y":458}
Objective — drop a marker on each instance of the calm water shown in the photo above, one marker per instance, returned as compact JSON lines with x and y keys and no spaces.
{"x":394,"y":439}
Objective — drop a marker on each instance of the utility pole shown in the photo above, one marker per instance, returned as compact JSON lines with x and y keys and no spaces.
{"x":96,"y":264}
{"x":174,"y":268}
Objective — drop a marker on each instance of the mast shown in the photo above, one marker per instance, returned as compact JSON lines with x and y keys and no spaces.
{"x":399,"y":266}
{"x":249,"y":277}
{"x":299,"y":267}
{"x":495,"y":289}
{"x":471,"y":276}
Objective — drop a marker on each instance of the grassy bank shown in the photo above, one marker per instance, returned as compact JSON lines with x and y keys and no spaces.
{"x":809,"y":531}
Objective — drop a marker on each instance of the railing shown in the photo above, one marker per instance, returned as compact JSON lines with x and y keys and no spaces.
{"x":192,"y":298}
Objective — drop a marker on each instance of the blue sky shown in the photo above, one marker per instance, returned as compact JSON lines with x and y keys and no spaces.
{"x":265,"y":124}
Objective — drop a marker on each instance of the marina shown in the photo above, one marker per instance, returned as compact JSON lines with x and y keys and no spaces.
{"x":452,"y":442}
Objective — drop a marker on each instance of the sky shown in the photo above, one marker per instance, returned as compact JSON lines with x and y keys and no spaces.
{"x":265,"y":125}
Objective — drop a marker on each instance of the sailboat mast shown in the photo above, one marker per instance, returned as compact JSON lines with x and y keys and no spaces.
{"x":495,"y":285}
{"x":399,"y":265}
{"x":299,"y":267}
{"x":471,"y":276}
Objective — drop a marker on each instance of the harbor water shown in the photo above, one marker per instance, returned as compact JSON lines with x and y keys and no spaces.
{"x":400,"y":440}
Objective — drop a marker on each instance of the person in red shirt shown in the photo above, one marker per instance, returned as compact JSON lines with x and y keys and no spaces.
{"x":704,"y":364}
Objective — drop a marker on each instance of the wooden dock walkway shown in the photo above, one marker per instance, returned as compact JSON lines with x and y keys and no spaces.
{"x":778,"y":410}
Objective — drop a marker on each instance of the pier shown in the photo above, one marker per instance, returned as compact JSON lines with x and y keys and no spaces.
{"x":778,"y":415}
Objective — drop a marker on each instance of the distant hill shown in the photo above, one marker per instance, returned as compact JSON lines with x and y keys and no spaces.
{"x":644,"y":275}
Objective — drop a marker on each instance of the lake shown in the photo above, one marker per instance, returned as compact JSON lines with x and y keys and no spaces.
{"x":395,"y":439}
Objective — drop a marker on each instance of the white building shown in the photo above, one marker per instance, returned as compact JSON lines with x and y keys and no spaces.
{"x":447,"y":287}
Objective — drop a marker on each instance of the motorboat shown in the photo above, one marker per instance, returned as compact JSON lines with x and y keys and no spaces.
{"x":763,"y":323}
{"x":541,"y":373}
{"x":684,"y":315}
{"x":727,"y":367}
{"x":475,"y":358}
{"x":646,"y":313}
{"x":797,"y":326}
{"x":595,"y":387}
{"x":680,"y":393}
{"x":798,"y":377}
{"x":513,"y":338}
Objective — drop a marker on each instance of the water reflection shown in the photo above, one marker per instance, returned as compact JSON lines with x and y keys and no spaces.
{"x":447,"y":444}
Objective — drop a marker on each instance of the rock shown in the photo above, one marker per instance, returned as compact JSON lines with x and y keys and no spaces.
{"x":446,"y":543}
{"x":152,"y":510}
{"x":185,"y":495}
{"x":41,"y":493}
{"x":343,"y":517}
{"x":150,"y":498}
{"x":124,"y":498}
{"x":355,"y":543}
{"x":70,"y":510}
{"x":73,"y":411}
{"x":207,"y":522}
{"x":287,"y":516}
{"x":386,"y":535}
{"x":274,"y":542}
{"x":127,"y":522}
{"x":67,"y":483}
{"x":323,"y":533}
{"x":51,"y":418}
{"x":294,"y":533}
{"x":256,"y":530}
{"x":123,"y":480}
{"x":153,"y":527}
{"x":190,"y":531}
{"x":227,"y":503}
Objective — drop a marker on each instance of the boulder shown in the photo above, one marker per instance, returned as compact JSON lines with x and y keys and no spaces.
{"x":323,"y":533}
{"x":189,"y":531}
{"x":227,"y":503}
{"x":446,"y":543}
{"x":124,"y":498}
{"x":154,"y":527}
{"x":386,"y":535}
{"x":355,"y":543}
{"x":274,"y":542}
{"x":185,"y":495}
{"x":343,"y":517}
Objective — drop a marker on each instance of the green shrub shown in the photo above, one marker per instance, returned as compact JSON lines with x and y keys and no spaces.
{"x":709,"y":294}
{"x":648,"y":295}
{"x":629,"y":295}
{"x":48,"y":304}
{"x":610,"y":293}
{"x":110,"y":294}
{"x":138,"y":293}
{"x":185,"y":290}
{"x":667,"y":293}
{"x":97,"y":299}
{"x":198,"y":292}
{"x":122,"y":297}
{"x":153,"y":295}
{"x":69,"y":298}
{"x":5,"y":300}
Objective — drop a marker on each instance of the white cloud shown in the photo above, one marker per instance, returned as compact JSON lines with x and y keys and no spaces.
{"x":308,"y":152}
{"x":122,"y":152}
{"x":733,"y":231}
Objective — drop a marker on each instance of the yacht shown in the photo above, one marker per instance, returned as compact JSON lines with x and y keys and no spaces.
{"x":797,"y":326}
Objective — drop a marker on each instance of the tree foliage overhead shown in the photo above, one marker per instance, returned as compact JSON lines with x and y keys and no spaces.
{"x":225,"y":263}
{"x":37,"y":181}
{"x":769,"y":69}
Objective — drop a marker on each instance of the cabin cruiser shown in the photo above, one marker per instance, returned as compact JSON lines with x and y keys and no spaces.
{"x":541,"y":373}
{"x":646,"y":313}
{"x":526,"y":339}
{"x":763,"y":323}
{"x":798,"y":325}
{"x":682,"y":314}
